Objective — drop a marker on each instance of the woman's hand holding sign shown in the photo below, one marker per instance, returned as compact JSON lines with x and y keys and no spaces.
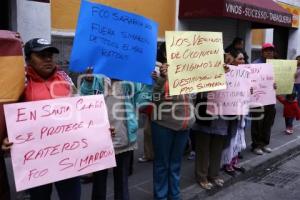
{"x":6,"y":145}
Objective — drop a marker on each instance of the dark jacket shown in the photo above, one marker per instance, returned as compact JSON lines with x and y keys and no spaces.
{"x":208,"y":124}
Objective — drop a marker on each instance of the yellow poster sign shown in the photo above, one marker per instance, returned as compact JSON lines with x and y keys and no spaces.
{"x":284,"y":71}
{"x":195,"y":61}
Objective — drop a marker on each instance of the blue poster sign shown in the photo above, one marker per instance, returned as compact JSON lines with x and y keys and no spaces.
{"x":116,"y":43}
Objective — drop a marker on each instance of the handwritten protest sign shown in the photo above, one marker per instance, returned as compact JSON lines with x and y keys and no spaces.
{"x":262,"y":83}
{"x":58,"y":139}
{"x":235,"y":99}
{"x":196,"y":61}
{"x":116,"y":43}
{"x":284,"y":71}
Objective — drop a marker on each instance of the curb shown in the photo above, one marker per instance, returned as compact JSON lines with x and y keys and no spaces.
{"x":194,"y":192}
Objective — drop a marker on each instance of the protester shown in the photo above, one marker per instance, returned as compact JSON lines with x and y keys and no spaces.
{"x":148,"y":146}
{"x":291,"y":111}
{"x":238,"y":44}
{"x":235,"y":142}
{"x":169,"y":134}
{"x":45,"y":81}
{"x":264,"y":116}
{"x":147,"y":112}
{"x":211,"y":132}
{"x":122,"y":100}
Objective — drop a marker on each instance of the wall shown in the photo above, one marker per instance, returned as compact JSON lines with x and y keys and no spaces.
{"x":294,"y":34}
{"x":64,"y":12}
{"x":33,"y":19}
{"x":229,"y":27}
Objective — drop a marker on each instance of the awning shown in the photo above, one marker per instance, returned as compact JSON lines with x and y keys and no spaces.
{"x":259,"y":11}
{"x":42,"y":1}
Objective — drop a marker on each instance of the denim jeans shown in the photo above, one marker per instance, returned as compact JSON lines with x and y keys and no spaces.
{"x":168,"y":146}
{"x":289,"y":122}
{"x":68,"y":189}
{"x":120,"y":179}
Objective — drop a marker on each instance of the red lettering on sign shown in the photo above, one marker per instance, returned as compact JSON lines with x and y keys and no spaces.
{"x":23,"y":139}
{"x":34,"y":173}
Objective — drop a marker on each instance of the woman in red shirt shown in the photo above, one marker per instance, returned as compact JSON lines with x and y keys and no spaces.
{"x":44,"y":81}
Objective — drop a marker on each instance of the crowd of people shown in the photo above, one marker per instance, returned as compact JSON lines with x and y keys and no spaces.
{"x":217,"y":142}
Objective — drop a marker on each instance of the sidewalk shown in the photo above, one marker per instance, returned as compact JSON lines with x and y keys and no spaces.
{"x":141,"y":181}
{"x":282,"y":145}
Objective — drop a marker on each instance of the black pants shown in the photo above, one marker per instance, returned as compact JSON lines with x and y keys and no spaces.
{"x":193,"y":140}
{"x":69,"y":189}
{"x":4,"y":186}
{"x":120,"y":179}
{"x":261,"y":125}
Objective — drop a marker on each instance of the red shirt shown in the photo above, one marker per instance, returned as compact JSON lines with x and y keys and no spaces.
{"x":40,"y":89}
{"x":290,"y":109}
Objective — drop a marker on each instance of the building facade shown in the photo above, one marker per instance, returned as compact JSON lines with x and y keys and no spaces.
{"x":255,"y":21}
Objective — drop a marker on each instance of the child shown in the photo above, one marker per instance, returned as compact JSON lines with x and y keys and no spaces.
{"x":290,"y":112}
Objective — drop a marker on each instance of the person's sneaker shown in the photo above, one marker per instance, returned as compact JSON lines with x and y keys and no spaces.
{"x":192,"y":155}
{"x":267,"y":149}
{"x":288,"y":131}
{"x":206,"y":185}
{"x":143,"y":159}
{"x":218,"y":182}
{"x":258,"y":151}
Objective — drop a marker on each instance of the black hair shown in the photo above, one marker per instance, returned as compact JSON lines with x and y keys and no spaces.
{"x":161,"y":53}
{"x":291,"y":96}
{"x":237,"y":40}
{"x":235,"y":52}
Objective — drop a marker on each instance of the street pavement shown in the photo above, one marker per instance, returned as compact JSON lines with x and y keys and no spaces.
{"x":140,"y":183}
{"x":277,"y":183}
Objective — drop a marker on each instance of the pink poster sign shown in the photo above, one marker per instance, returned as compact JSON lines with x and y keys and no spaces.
{"x":235,"y":99}
{"x":58,"y":139}
{"x":262,"y":82}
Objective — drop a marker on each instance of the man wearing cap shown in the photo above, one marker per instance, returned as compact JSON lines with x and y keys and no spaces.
{"x":44,"y":81}
{"x":263,"y":117}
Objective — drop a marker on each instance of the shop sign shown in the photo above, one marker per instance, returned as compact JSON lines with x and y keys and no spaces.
{"x":249,"y":12}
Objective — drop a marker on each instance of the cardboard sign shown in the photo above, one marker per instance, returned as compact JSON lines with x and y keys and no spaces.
{"x":284,"y":71}
{"x":235,"y":99}
{"x":195,"y":61}
{"x":116,"y":43}
{"x":58,"y":139}
{"x":262,"y":83}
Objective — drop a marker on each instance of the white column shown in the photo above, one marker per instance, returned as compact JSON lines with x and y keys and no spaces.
{"x":33,"y":20}
{"x":269,"y":35}
{"x":294,"y":43}
{"x":180,"y":25}
{"x":248,"y":43}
